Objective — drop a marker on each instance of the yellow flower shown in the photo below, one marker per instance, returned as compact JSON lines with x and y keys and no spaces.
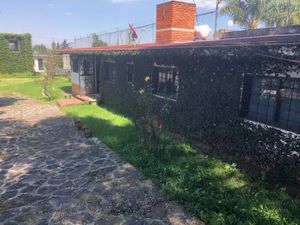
{"x":141,"y":91}
{"x":147,"y":78}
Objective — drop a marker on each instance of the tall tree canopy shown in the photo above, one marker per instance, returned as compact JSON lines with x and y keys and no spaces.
{"x":281,"y":12}
{"x":250,"y":13}
{"x":97,"y":42}
{"x":246,"y":13}
{"x":40,"y":49}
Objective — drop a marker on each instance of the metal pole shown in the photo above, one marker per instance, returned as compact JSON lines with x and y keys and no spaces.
{"x":216,"y":18}
{"x":288,"y":13}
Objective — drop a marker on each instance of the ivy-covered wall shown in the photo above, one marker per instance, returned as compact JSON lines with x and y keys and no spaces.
{"x":209,"y":100}
{"x":16,"y":61}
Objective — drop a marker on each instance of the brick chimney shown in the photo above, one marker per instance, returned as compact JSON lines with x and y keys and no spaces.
{"x":175,"y":22}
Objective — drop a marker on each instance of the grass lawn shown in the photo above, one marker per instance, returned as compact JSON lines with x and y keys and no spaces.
{"x":215,"y":191}
{"x":30,"y":87}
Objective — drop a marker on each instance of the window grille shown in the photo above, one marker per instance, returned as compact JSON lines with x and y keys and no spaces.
{"x":272,"y":100}
{"x":165,"y":81}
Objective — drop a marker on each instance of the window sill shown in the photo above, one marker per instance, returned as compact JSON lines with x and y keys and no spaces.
{"x":165,"y":98}
{"x":265,"y":126}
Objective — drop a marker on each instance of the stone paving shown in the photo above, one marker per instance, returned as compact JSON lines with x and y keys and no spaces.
{"x":51,"y":174}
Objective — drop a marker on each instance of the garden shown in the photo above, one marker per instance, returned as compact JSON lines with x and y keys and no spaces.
{"x":215,"y":190}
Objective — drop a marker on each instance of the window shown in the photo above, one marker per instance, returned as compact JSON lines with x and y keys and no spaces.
{"x":40,"y":64}
{"x":130,"y":72}
{"x":13,"y":45}
{"x":75,"y":66}
{"x":88,"y":67}
{"x":273,"y":101}
{"x":165,"y":81}
{"x":109,"y":70}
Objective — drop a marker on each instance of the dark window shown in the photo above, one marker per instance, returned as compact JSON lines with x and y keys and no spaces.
{"x":165,"y":81}
{"x":13,"y":45}
{"x":88,"y":67}
{"x":75,"y":66}
{"x":109,"y":71}
{"x":273,"y":101}
{"x":40,"y":64}
{"x":130,"y":72}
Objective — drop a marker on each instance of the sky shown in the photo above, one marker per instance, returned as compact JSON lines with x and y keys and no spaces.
{"x":55,"y":20}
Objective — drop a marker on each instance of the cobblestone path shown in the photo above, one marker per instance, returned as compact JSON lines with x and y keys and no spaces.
{"x":51,"y":174}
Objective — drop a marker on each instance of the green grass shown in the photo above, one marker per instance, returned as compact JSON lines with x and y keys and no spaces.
{"x":30,"y":87}
{"x":215,"y":191}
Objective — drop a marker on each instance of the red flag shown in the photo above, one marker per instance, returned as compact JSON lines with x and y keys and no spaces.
{"x":133,"y":32}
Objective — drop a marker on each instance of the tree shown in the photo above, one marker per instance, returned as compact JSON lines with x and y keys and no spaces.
{"x":281,"y":13}
{"x":53,"y":45}
{"x":53,"y":62}
{"x":64,"y":44}
{"x":96,"y":41}
{"x":246,"y":13}
{"x":40,"y":49}
{"x":250,"y":13}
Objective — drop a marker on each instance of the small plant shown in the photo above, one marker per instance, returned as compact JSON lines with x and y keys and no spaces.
{"x":149,"y":118}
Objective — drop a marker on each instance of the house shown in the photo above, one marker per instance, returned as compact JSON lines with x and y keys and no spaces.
{"x":39,"y":63}
{"x":15,"y":53}
{"x":223,"y":91}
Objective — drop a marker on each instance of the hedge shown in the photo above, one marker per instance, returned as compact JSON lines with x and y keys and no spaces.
{"x":16,"y":61}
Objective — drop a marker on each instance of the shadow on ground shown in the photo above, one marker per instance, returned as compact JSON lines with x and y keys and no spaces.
{"x":50,"y":173}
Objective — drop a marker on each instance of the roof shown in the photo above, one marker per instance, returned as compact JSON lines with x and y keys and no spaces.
{"x":239,"y":42}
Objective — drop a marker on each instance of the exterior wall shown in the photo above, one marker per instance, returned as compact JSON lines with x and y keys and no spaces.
{"x":66,"y":62}
{"x":16,"y":61}
{"x":175,"y":22}
{"x":209,"y":106}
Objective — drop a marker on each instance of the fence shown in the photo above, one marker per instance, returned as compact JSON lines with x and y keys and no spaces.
{"x":287,"y":14}
{"x":146,"y":34}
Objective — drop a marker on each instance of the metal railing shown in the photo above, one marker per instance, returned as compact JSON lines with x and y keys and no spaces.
{"x":218,"y":24}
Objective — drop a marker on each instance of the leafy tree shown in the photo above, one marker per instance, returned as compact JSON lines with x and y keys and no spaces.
{"x":281,"y":13}
{"x":246,"y":13}
{"x":40,"y":49}
{"x":97,"y":42}
{"x":53,"y":45}
{"x":64,"y":44}
{"x":250,"y":13}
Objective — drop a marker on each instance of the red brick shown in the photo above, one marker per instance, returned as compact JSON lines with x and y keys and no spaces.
{"x":176,"y":15}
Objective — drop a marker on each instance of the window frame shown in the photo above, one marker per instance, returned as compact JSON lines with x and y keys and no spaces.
{"x":127,"y":72}
{"x":110,"y":76}
{"x":16,"y":42}
{"x":41,"y":65}
{"x":281,"y":95}
{"x":77,"y":67}
{"x":166,"y":68}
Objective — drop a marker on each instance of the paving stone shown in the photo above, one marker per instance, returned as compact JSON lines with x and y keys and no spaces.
{"x":52,"y":174}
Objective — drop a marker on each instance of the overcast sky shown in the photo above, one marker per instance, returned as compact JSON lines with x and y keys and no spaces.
{"x":55,"y":20}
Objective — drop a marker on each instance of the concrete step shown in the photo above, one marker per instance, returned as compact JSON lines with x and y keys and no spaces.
{"x":86,"y":99}
{"x":68,"y":102}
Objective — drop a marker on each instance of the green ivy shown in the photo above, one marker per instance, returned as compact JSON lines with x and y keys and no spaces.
{"x":208,"y":104}
{"x":18,"y":61}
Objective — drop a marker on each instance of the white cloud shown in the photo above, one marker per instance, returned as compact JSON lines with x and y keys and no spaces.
{"x":230,"y":23}
{"x":67,"y":13}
